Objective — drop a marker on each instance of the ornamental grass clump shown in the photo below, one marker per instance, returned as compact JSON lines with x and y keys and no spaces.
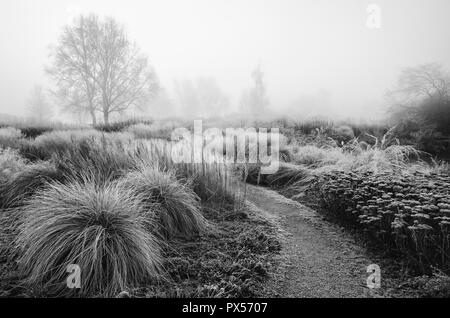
{"x":99,"y":228}
{"x":177,"y":207}
{"x":10,"y":163}
{"x":24,"y":183}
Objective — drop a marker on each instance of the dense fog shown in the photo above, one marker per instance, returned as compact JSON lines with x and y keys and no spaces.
{"x":328,"y":58}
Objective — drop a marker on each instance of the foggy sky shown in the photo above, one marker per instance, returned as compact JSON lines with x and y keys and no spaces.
{"x":309,"y":49}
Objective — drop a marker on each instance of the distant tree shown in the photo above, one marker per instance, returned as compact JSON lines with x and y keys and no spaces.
{"x":125,"y":76}
{"x":74,"y":67}
{"x":188,"y":98}
{"x":212,"y":99}
{"x":244,"y":103}
{"x":162,"y":105}
{"x":38,"y":106}
{"x":259,"y":90}
{"x":418,"y":87}
{"x":422,"y":82}
{"x":97,"y":69}
{"x":420,"y":106}
{"x":255,"y":101}
{"x":201,"y":97}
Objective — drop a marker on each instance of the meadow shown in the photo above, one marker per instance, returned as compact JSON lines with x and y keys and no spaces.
{"x":112,"y":200}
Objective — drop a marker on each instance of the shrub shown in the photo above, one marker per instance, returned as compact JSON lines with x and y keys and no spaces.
{"x":99,"y":228}
{"x":120,"y":125}
{"x":10,"y":132}
{"x":353,"y":156}
{"x":26,"y":182}
{"x":288,"y":175}
{"x":373,"y":128}
{"x":314,"y":156}
{"x":212,"y":178}
{"x":9,"y":137}
{"x":141,"y":131}
{"x":35,"y":131}
{"x":101,"y":162}
{"x":212,"y":182}
{"x":409,"y":212}
{"x":61,"y":142}
{"x":56,"y":142}
{"x":435,"y":112}
{"x":379,"y":160}
{"x":313,"y":125}
{"x":29,"y":150}
{"x":343,"y":134}
{"x":10,"y":163}
{"x":436,"y":285}
{"x":156,"y":130}
{"x":177,"y":205}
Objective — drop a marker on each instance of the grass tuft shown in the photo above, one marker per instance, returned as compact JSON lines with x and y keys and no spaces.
{"x":177,"y":205}
{"x":99,"y":228}
{"x":24,"y":183}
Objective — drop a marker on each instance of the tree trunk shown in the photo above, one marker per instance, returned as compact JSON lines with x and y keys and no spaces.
{"x":106,"y":118}
{"x":94,"y":119}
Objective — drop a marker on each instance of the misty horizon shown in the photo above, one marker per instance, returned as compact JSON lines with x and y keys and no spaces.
{"x":318,"y":57}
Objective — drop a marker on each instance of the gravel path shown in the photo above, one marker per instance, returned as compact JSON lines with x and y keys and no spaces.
{"x":319,"y":259}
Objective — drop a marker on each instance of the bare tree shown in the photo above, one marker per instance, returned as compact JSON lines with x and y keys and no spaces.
{"x":74,"y":68}
{"x":125,"y":77}
{"x":415,"y":84}
{"x":212,"y":99}
{"x":38,"y":105}
{"x":423,"y":97}
{"x":97,"y":69}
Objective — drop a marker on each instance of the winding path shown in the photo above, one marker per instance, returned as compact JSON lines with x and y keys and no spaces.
{"x":319,"y":259}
